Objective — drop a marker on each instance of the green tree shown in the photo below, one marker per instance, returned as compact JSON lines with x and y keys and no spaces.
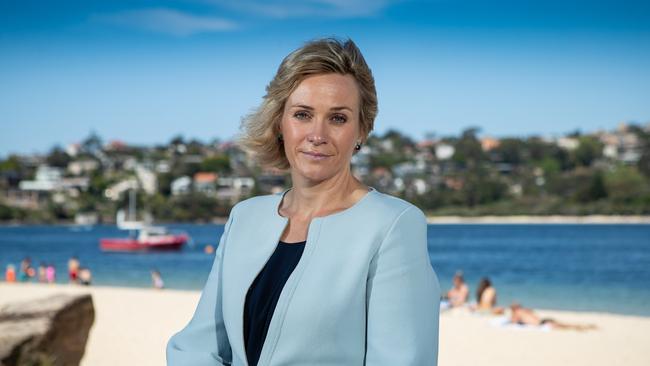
{"x":588,"y":150}
{"x":12,"y":163}
{"x":511,"y":151}
{"x":92,"y":144}
{"x":58,"y":157}
{"x":195,"y":147}
{"x":594,"y":190}
{"x":626,"y":184}
{"x":399,"y":140}
{"x":219,"y":163}
{"x":644,"y":144}
{"x":467,"y":149}
{"x":480,"y":188}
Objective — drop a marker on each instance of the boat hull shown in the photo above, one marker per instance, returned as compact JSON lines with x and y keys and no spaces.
{"x":168,"y":242}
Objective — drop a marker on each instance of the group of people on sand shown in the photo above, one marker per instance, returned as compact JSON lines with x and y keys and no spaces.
{"x":46,"y":273}
{"x":486,"y":303}
{"x":486,"y":296}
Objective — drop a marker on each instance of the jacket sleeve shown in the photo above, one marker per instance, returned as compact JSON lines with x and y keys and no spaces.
{"x":403,"y":297}
{"x":204,"y":341}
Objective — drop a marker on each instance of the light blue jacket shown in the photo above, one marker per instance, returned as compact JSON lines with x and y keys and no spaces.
{"x":363,"y":292}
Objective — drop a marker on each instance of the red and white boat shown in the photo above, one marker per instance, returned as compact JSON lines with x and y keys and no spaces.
{"x":148,"y":238}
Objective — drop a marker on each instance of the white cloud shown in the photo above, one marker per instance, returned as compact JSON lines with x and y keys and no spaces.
{"x":167,"y":21}
{"x":297,"y":8}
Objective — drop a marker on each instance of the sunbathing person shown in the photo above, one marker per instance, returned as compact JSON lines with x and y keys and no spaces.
{"x":486,"y":298}
{"x":458,"y":294}
{"x":524,"y":316}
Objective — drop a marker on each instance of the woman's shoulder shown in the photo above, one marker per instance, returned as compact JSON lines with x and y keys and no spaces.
{"x":393,"y":206}
{"x":257,"y":202}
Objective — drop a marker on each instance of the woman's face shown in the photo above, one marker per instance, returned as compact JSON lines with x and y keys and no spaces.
{"x":320,"y":126}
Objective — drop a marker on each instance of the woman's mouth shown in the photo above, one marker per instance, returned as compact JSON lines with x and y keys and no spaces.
{"x":315,"y":156}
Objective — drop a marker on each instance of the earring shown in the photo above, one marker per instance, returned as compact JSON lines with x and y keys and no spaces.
{"x":280,"y":138}
{"x":358,"y":147}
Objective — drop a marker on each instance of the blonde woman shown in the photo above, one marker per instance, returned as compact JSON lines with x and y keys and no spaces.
{"x":329,"y":271}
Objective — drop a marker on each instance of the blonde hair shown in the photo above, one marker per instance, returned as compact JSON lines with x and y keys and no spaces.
{"x":260,"y":129}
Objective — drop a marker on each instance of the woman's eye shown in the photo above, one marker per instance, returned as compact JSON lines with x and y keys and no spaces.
{"x":339,"y":118}
{"x":301,"y":115}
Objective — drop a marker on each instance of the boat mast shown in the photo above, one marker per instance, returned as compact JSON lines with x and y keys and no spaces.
{"x":132,"y":205}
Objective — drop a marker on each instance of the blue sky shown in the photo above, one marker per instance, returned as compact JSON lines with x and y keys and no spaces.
{"x":145,"y":71}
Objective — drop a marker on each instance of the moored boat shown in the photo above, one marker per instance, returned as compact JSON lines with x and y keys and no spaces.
{"x":148,"y":238}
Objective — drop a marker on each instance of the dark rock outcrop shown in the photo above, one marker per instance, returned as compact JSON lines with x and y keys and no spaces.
{"x":50,"y":332}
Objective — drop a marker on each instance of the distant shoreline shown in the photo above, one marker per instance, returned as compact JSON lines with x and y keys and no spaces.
{"x":447,"y":219}
{"x":539,"y":219}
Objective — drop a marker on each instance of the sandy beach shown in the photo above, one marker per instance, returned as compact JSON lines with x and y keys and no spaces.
{"x":132,"y":326}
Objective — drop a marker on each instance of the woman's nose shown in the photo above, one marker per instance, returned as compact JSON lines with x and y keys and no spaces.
{"x":318,"y":133}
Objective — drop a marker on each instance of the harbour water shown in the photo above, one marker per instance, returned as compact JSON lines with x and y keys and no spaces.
{"x":588,"y":267}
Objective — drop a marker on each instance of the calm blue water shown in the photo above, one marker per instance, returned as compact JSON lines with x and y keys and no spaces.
{"x":574,"y":267}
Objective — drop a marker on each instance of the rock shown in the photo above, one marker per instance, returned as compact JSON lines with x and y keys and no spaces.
{"x":49,"y":331}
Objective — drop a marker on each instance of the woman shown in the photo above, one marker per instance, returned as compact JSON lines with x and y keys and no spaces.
{"x":524,"y":316}
{"x":457,"y":295}
{"x":486,"y":298}
{"x":330,"y":271}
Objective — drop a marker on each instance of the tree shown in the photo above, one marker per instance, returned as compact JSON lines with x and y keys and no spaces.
{"x":511,"y":151}
{"x":594,"y":190}
{"x":588,"y":150}
{"x":625,"y":184}
{"x":478,"y":189}
{"x":195,"y":147}
{"x":467,"y":150}
{"x":219,"y":163}
{"x":177,"y":140}
{"x":644,"y":141}
{"x":58,"y":158}
{"x":92,"y":144}
{"x":12,"y":163}
{"x":399,"y":140}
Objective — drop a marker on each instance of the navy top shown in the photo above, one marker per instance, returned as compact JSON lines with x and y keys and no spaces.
{"x":264,"y":293}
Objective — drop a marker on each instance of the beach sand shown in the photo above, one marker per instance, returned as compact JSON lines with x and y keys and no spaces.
{"x":132,"y":327}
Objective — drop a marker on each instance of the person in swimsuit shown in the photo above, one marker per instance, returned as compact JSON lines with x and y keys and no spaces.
{"x":524,"y":316}
{"x":458,"y":294}
{"x":156,"y":279}
{"x":486,"y":298}
{"x":73,"y":269}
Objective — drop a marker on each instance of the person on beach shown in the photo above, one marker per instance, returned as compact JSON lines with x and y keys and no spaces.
{"x":85,"y":276}
{"x":50,"y":273}
{"x":42,"y":278}
{"x":329,"y":271}
{"x":73,"y":269}
{"x":10,"y":273}
{"x":524,"y":316}
{"x":156,"y":280}
{"x":486,"y":298}
{"x":459,"y":293}
{"x":26,"y":271}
